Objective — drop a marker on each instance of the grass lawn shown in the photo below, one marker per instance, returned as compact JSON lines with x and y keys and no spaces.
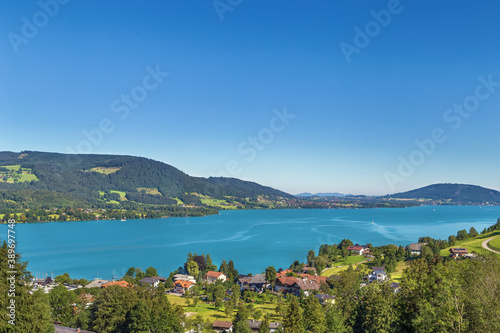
{"x":494,"y":244}
{"x":210,"y":312}
{"x":472,"y":244}
{"x":179,"y":201}
{"x":223,"y":204}
{"x":343,"y":265}
{"x":121,"y":193}
{"x":398,"y":272}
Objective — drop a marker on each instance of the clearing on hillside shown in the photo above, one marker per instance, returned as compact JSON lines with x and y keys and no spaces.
{"x":149,"y":190}
{"x":16,"y":174}
{"x":105,"y":171}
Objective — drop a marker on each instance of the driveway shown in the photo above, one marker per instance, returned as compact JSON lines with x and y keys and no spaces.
{"x":485,"y":245}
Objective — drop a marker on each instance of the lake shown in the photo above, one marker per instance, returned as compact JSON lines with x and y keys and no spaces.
{"x":253,"y":239}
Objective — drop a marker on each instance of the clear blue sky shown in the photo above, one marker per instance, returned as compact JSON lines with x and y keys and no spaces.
{"x":227,"y":78}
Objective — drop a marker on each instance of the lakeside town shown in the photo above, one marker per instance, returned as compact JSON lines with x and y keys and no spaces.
{"x":208,"y":298}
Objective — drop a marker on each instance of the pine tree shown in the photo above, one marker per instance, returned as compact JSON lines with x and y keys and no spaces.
{"x":314,"y":316}
{"x":293,"y":318}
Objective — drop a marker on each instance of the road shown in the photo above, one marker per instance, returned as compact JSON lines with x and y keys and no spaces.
{"x":485,"y":245}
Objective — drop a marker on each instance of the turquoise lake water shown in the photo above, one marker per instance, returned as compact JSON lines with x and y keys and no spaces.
{"x":253,"y":239}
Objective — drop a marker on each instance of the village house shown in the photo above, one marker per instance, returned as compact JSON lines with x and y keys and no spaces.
{"x":222,"y":326}
{"x":254,"y":326}
{"x":180,"y":286}
{"x":97,"y":283}
{"x":120,"y":283}
{"x":325,"y":299}
{"x":152,"y":281}
{"x":212,"y":277}
{"x":183,"y":277}
{"x":293,"y":285}
{"x":359,"y":249}
{"x":255,"y":282}
{"x":458,"y":252}
{"x":395,"y":287}
{"x":378,"y":274}
{"x":416,"y":248}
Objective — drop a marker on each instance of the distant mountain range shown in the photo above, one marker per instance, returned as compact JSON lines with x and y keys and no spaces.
{"x":453,"y":194}
{"x":334,"y":194}
{"x":88,"y":178}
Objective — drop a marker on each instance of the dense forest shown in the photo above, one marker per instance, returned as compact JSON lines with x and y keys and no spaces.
{"x":83,"y":176}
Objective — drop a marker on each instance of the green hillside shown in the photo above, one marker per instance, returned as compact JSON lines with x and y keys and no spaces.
{"x":102,"y":179}
{"x":453,"y":193}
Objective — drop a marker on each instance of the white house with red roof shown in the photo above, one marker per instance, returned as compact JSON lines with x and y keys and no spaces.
{"x":212,"y":277}
{"x":359,"y":249}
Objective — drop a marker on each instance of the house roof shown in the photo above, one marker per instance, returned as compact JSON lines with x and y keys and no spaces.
{"x":213,"y":274}
{"x":162,"y":279}
{"x":283,"y":273}
{"x":150,"y":280}
{"x":222,"y":324}
{"x":183,"y":277}
{"x":378,"y":269}
{"x":355,"y":248}
{"x":395,"y":285}
{"x":459,"y":250}
{"x":287,"y":280}
{"x":96,"y":283}
{"x":184,"y":284}
{"x":121,"y":283}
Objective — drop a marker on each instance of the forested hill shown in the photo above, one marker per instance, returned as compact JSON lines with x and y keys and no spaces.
{"x":453,"y":193}
{"x":93,"y":178}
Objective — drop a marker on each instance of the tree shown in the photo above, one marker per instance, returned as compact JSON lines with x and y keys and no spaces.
{"x":151,"y":271}
{"x":335,"y":322}
{"x":314,"y":316}
{"x":452,"y":240}
{"x":228,"y":309}
{"x":270,"y":273}
{"x":378,"y":309}
{"x":232,"y":273}
{"x":210,"y":265}
{"x":139,"y":274}
{"x":192,"y":268}
{"x":64,"y":278}
{"x":264,"y":325}
{"x":473,"y":232}
{"x":240,"y":324}
{"x":462,"y":234}
{"x":311,"y":256}
{"x":61,"y":301}
{"x":223,"y":267}
{"x":140,"y":320}
{"x":293,"y":320}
